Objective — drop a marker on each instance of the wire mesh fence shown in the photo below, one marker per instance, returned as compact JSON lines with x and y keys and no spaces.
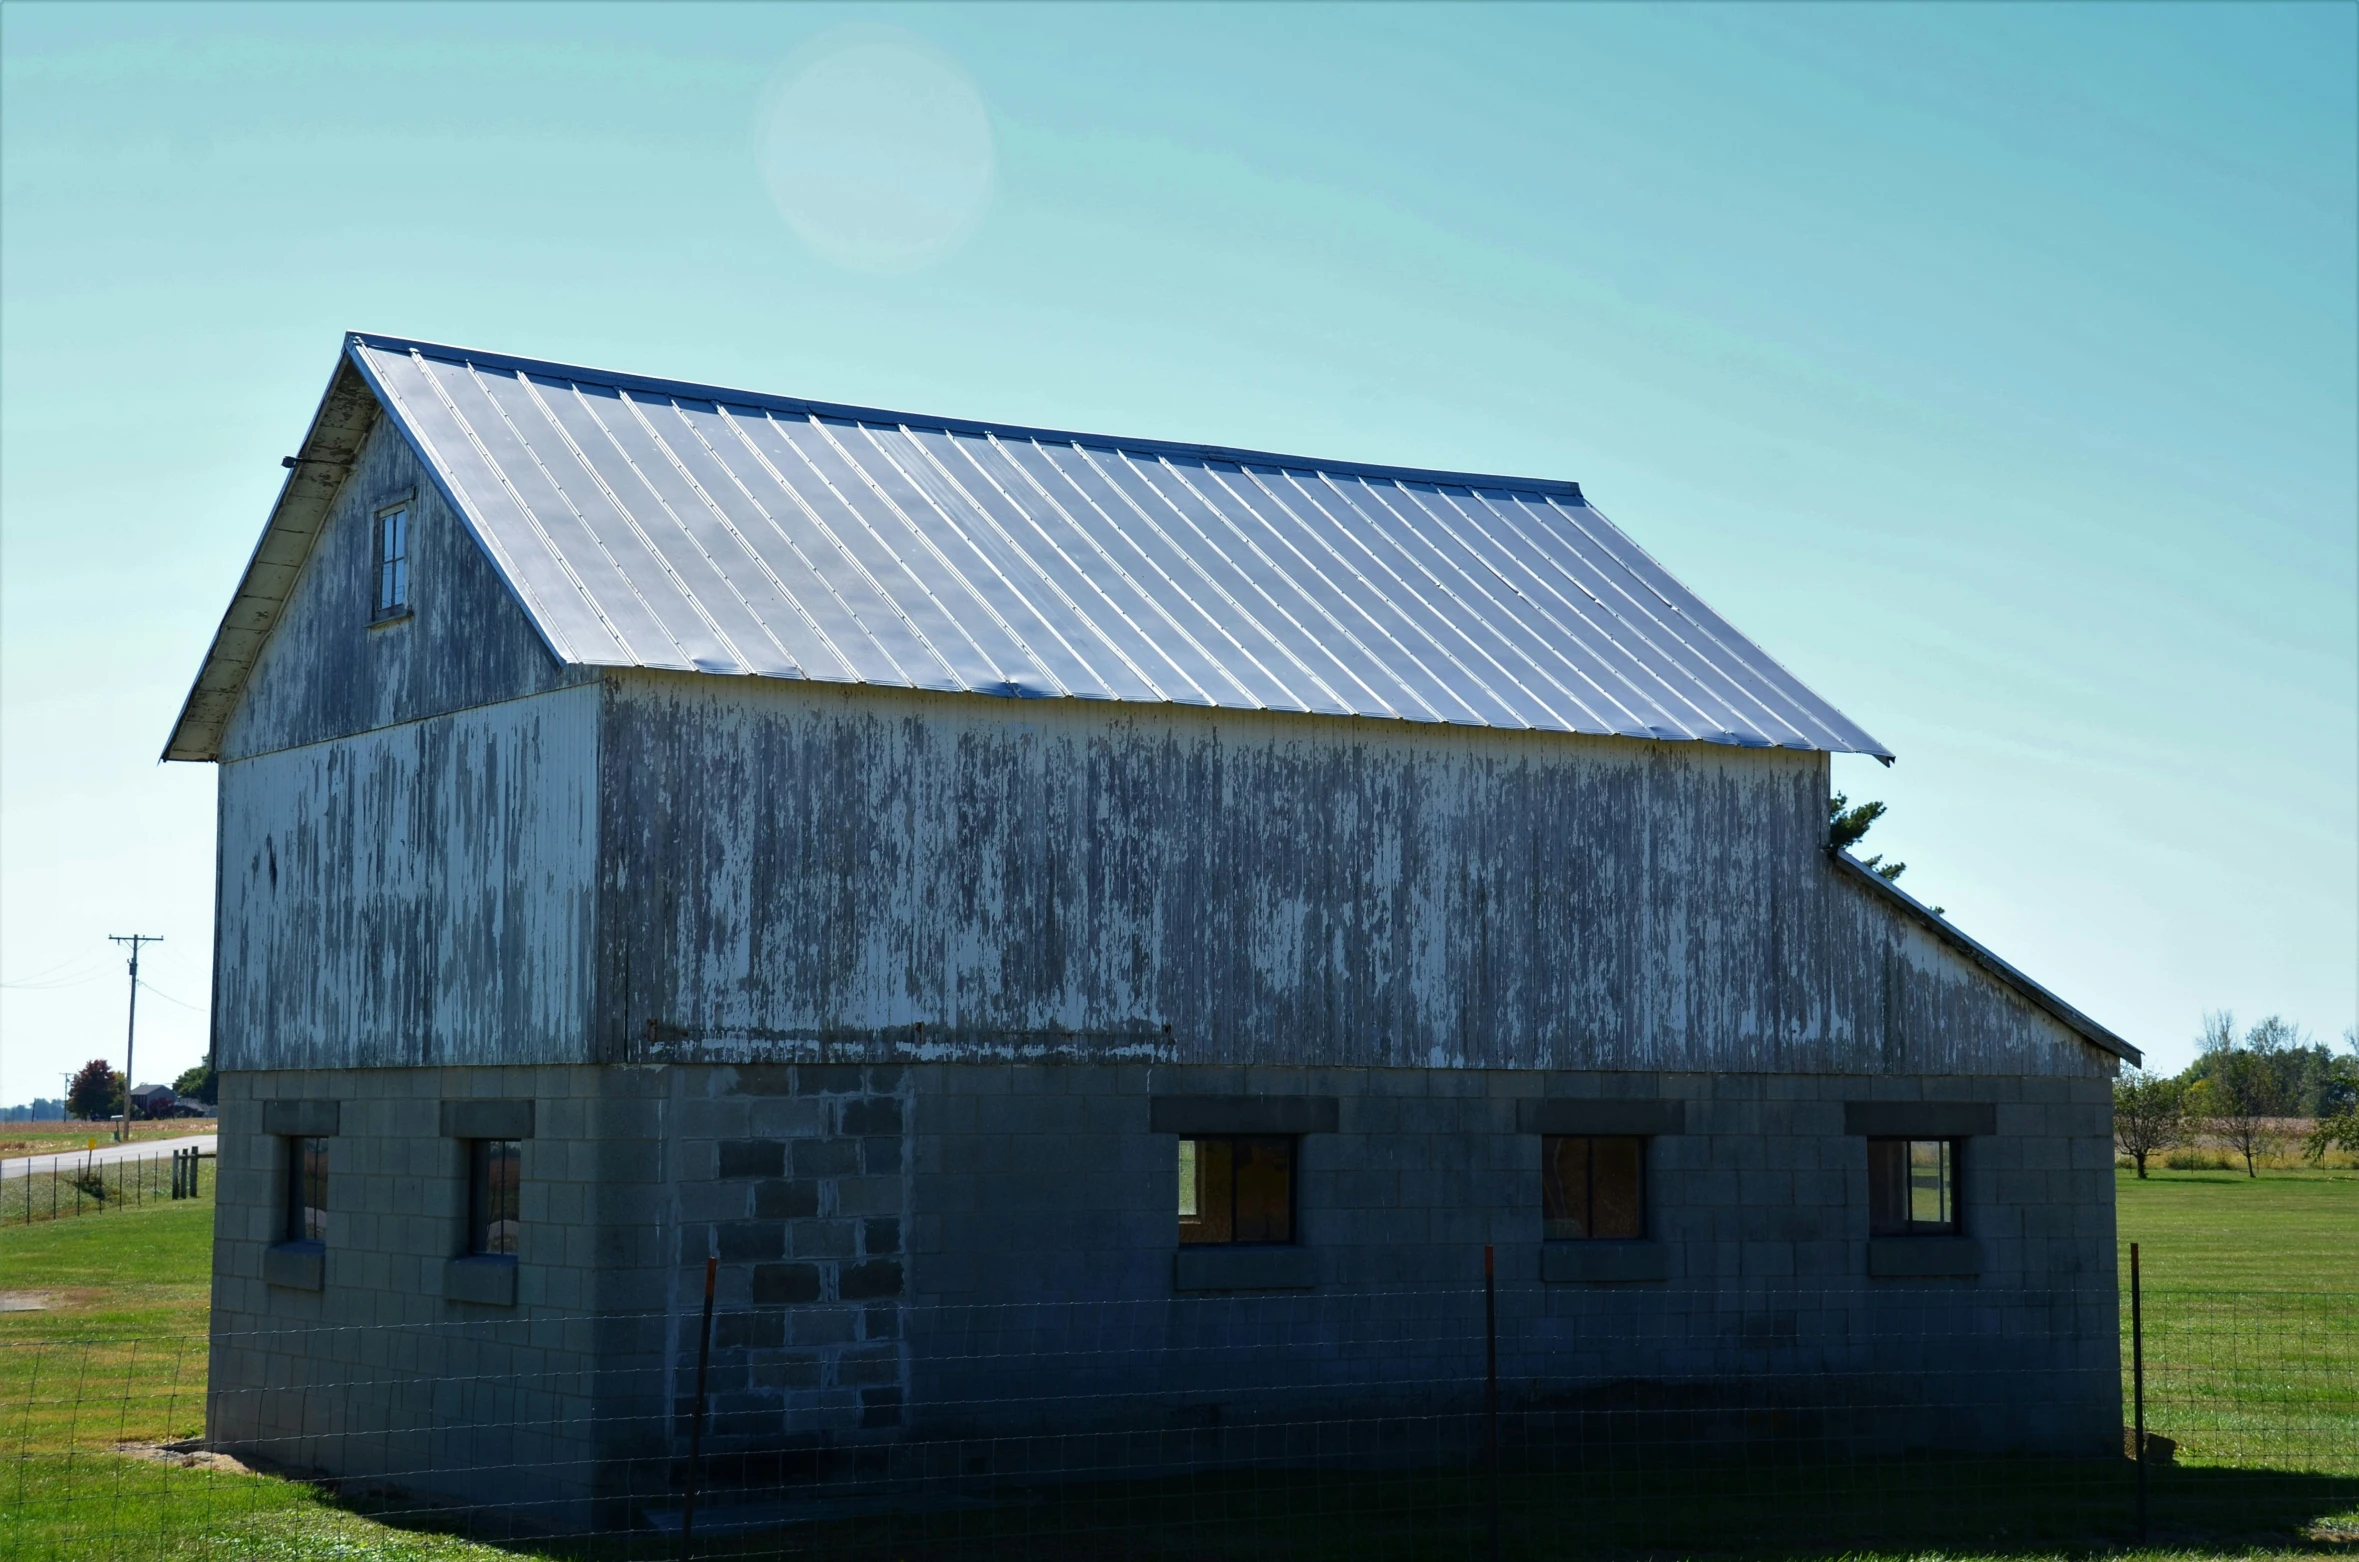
{"x":59,"y":1185}
{"x":1360,"y":1425}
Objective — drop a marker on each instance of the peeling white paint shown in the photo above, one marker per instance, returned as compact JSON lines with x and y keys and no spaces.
{"x":420,"y":894}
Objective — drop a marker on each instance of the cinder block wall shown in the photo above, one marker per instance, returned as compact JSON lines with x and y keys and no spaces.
{"x":1042,"y":1203}
{"x":375,"y":1375}
{"x":920,"y":1250}
{"x":572,"y":1403}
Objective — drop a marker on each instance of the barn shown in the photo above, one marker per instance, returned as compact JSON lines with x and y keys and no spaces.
{"x":992,"y":889}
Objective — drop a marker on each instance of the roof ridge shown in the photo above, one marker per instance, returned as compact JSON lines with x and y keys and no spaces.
{"x":705,"y":391}
{"x":774,"y":536}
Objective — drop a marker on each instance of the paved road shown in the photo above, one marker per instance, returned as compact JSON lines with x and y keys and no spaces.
{"x":74,"y":1160}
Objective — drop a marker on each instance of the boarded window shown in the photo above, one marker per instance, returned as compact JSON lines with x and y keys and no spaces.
{"x":1236,"y":1189}
{"x":494,"y":1192}
{"x":307,"y":1190}
{"x":1912,"y":1187}
{"x":1592,"y":1186}
{"x":393,"y":562}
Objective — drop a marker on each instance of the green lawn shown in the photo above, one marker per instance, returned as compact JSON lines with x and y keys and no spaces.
{"x":70,"y":1191}
{"x":2253,"y":1355}
{"x":2224,"y":1231}
{"x":2252,"y":1314}
{"x":119,"y":1357}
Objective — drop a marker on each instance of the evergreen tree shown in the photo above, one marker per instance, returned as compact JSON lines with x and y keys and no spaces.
{"x":1847,"y":826}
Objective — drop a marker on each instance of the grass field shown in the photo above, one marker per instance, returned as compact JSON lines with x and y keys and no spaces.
{"x":80,"y":1188}
{"x":2253,"y":1327}
{"x":2221,"y":1230}
{"x":47,"y":1138}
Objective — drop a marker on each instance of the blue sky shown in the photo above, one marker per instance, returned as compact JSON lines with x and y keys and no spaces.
{"x":1995,"y":366}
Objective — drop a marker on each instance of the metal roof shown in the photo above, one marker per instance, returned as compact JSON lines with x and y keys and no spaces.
{"x":648,"y":523}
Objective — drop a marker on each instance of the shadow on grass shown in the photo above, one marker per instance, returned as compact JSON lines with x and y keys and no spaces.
{"x":1958,"y":1508}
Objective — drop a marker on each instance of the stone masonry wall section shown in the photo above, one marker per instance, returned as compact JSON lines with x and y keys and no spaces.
{"x":796,"y":1179}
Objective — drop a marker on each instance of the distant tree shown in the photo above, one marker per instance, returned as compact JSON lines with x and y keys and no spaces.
{"x":2338,"y":1125}
{"x":2339,"y":1132}
{"x":198,"y":1084}
{"x":2149,"y":1114}
{"x":1848,"y":825}
{"x":96,"y":1091}
{"x":2237,"y":1096}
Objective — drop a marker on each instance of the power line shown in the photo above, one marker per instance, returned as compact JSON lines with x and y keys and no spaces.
{"x":148,"y":986}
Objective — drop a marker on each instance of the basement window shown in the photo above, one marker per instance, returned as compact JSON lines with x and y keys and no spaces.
{"x":1912,"y":1187}
{"x":307,"y":1189}
{"x":1236,"y":1189}
{"x":1592,"y":1187}
{"x":494,"y":1196}
{"x":393,"y":563}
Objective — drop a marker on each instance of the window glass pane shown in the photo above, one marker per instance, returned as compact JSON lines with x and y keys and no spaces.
{"x":307,"y":1190}
{"x":494,"y":1195}
{"x":1928,"y":1183}
{"x":393,"y":567}
{"x":1617,"y":1201}
{"x":1265,"y":1190}
{"x":1187,"y":1179}
{"x":1592,"y":1187}
{"x":1887,"y":1187}
{"x":1215,"y":1190}
{"x":1564,"y":1187}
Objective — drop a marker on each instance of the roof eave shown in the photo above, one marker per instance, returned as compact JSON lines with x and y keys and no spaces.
{"x":348,"y":409}
{"x":2039,"y":997}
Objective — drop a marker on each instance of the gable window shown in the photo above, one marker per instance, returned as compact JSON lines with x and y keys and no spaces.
{"x":1592,"y":1187}
{"x":1236,"y":1188}
{"x":1912,"y":1187}
{"x":393,"y":562}
{"x":307,"y":1189}
{"x":494,"y":1188}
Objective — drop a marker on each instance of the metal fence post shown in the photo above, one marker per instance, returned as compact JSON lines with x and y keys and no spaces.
{"x":1491,"y":1389}
{"x":2138,"y":1384}
{"x":704,"y":1351}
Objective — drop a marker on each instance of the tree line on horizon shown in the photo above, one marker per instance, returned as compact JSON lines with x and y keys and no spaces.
{"x":2239,"y":1089}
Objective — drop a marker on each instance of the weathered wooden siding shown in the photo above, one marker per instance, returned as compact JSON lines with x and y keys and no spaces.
{"x":327,"y":672}
{"x":419,"y":894}
{"x":790,"y":870}
{"x":794,"y":870}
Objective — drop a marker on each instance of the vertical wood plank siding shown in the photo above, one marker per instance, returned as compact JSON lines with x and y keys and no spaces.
{"x":439,"y":845}
{"x":421,"y":894}
{"x":327,"y":672}
{"x":794,"y":870}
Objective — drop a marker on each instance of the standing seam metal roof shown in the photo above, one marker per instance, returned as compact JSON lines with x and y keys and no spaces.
{"x":649,"y":523}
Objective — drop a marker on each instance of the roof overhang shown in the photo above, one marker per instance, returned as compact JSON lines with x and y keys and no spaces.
{"x":347,"y":411}
{"x":2096,"y":1035}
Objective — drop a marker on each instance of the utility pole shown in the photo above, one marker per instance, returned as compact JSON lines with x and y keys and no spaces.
{"x":131,"y":1027}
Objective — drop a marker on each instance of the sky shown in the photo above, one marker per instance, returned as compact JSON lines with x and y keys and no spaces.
{"x":1996,"y":367}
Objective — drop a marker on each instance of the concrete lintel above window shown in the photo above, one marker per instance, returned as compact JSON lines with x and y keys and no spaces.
{"x":298,"y":1266}
{"x":1924,"y":1258}
{"x":1920,"y":1119}
{"x":1242,"y":1114}
{"x":303,"y":1119}
{"x":487,"y":1119}
{"x":487,"y":1280}
{"x":1222,"y":1268}
{"x":1604,"y":1263}
{"x":1640,"y":1118}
